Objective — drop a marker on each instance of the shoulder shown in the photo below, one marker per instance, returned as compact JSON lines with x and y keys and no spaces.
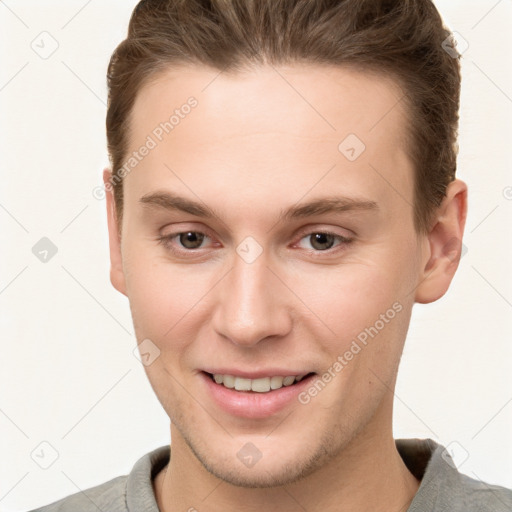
{"x":443,"y":487}
{"x":483,"y":497}
{"x":109,"y":496}
{"x":127,"y":493}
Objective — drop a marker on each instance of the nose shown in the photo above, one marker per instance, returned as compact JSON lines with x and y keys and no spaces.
{"x":252,"y":304}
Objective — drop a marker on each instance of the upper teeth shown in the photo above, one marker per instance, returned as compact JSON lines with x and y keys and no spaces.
{"x":259,"y":385}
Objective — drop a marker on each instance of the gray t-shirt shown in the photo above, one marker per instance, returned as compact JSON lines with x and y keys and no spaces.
{"x":442,"y":489}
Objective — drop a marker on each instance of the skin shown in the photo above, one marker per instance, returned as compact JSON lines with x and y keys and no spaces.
{"x":249,"y":155}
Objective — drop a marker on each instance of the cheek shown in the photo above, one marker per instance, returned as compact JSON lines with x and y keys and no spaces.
{"x":364,"y":308}
{"x":163,"y":296}
{"x":350,"y":297}
{"x":367,"y":315}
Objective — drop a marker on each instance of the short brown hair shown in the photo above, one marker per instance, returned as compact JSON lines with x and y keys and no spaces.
{"x":400,"y":38}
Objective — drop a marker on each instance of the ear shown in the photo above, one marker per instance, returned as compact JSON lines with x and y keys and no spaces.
{"x":116,"y":262}
{"x":444,"y":244}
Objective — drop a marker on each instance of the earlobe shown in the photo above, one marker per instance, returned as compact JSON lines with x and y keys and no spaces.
{"x":116,"y":263}
{"x":444,"y":244}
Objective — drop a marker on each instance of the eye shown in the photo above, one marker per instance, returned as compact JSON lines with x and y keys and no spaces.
{"x":323,"y":240}
{"x":185,"y":240}
{"x":191,"y":239}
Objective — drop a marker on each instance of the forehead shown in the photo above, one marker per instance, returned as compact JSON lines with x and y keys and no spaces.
{"x":326,"y":99}
{"x":265,"y":123}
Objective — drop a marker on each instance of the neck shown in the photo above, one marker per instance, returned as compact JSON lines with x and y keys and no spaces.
{"x":369,"y":475}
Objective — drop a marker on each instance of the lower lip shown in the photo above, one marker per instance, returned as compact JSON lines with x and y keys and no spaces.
{"x":247,"y":404}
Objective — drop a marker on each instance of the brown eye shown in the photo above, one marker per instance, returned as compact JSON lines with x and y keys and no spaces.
{"x":191,"y":239}
{"x":322,"y":241}
{"x":317,"y":242}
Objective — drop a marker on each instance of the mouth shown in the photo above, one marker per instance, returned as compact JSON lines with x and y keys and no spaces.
{"x":259,"y":385}
{"x":254,"y":395}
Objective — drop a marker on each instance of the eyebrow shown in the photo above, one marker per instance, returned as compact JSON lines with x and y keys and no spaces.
{"x":329,"y":204}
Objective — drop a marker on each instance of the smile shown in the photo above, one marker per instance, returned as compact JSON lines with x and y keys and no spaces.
{"x":261,"y":385}
{"x":261,"y":396}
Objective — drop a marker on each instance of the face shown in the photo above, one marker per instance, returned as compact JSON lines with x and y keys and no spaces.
{"x":267,"y":234}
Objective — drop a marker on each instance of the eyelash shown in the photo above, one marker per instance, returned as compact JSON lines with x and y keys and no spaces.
{"x":166,"y":241}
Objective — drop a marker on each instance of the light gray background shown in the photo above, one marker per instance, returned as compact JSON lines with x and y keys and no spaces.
{"x":68,"y":376}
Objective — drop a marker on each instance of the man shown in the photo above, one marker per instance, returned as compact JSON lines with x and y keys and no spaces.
{"x":282,"y":193}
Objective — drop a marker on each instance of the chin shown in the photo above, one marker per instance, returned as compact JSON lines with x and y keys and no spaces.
{"x":277,"y":465}
{"x":263,"y":475}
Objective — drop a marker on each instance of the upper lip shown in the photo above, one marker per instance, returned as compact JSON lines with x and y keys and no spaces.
{"x":256,"y":374}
